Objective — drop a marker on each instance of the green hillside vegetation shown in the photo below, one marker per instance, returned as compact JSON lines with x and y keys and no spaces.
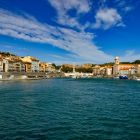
{"x":6,"y":54}
{"x":107,"y":64}
{"x":136,"y":62}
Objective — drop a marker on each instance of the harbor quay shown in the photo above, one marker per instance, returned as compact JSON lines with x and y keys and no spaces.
{"x":22,"y":75}
{"x":29,"y":75}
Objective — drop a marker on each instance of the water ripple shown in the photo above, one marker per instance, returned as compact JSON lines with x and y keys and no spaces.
{"x":67,"y":109}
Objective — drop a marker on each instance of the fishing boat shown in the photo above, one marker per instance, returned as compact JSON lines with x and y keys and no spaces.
{"x":123,"y":77}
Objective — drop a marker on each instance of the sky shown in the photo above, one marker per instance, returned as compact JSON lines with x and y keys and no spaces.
{"x":71,"y":31}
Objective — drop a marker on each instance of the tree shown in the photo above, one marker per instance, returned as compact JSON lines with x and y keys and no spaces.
{"x":107,"y":64}
{"x":84,"y":70}
{"x":58,"y":67}
{"x":66,"y":69}
{"x":6,"y":54}
{"x":136,"y":62}
{"x":125,"y":63}
{"x":53,"y":64}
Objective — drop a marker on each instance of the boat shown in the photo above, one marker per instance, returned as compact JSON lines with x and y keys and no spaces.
{"x":123,"y":77}
{"x":74,"y":76}
{"x":138,"y":79}
{"x":116,"y":77}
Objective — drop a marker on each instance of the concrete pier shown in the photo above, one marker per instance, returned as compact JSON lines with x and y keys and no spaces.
{"x":22,"y":75}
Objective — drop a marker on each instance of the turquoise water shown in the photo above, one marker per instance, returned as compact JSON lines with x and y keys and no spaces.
{"x":67,"y":109}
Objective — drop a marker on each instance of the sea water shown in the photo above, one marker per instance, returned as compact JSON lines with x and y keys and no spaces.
{"x":70,"y":109}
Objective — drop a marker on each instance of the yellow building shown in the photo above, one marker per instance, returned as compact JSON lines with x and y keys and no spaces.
{"x":34,"y":63}
{"x":42,"y":67}
{"x":28,"y":67}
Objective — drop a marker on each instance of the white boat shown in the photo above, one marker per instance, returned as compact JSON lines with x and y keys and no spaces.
{"x":137,"y":79}
{"x":116,"y":77}
{"x":74,"y":76}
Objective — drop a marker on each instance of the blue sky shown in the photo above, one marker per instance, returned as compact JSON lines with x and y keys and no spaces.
{"x":71,"y":31}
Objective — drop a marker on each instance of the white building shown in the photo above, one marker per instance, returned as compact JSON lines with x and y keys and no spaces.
{"x":109,"y":71}
{"x":35,"y":65}
{"x":4,"y":65}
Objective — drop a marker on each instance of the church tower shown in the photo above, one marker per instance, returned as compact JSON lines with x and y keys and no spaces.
{"x":116,"y":66}
{"x":117,"y":60}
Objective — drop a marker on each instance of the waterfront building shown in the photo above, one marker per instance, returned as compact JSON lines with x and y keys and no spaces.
{"x":11,"y":63}
{"x":35,"y":66}
{"x":123,"y":69}
{"x":34,"y":63}
{"x":49,"y":67}
{"x":116,"y":66}
{"x":28,"y":67}
{"x":4,"y":65}
{"x":109,"y":70}
{"x":96,"y":70}
{"x":16,"y":66}
{"x":137,"y":69}
{"x":22,"y":68}
{"x":103,"y":71}
{"x":11,"y":67}
{"x":126,"y":69}
{"x":42,"y":67}
{"x":1,"y":65}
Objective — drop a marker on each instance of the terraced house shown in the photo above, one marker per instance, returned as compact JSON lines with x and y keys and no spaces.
{"x":125,"y":69}
{"x":33,"y":61}
{"x":4,"y":65}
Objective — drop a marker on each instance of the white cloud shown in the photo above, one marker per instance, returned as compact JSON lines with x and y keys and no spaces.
{"x":78,"y":43}
{"x":107,"y":17}
{"x":124,"y":5}
{"x":130,"y":55}
{"x":128,"y":8}
{"x":62,"y":7}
